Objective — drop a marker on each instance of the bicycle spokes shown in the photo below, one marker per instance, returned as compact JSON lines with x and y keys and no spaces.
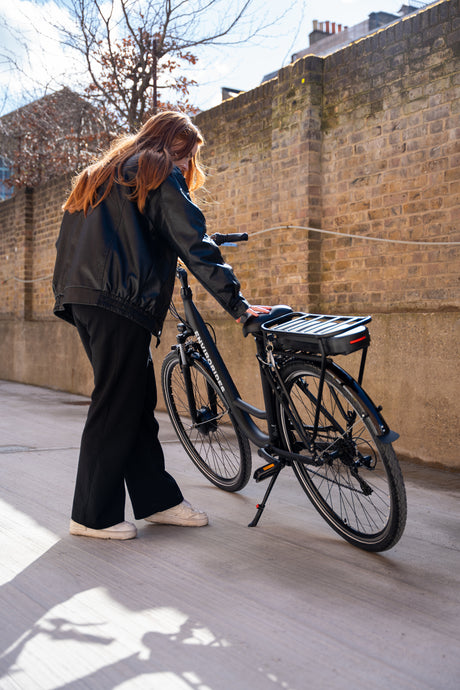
{"x":351,"y":477}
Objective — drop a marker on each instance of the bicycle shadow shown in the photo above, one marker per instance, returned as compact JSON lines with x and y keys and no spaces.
{"x":68,"y":609}
{"x":149,"y":663}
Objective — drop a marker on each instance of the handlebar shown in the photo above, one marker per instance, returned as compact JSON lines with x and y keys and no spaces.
{"x":181,"y":269}
{"x":231,"y":237}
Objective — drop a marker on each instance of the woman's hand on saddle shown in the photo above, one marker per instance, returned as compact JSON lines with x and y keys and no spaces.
{"x":254,"y":310}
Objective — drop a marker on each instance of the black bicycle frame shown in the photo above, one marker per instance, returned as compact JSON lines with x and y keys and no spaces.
{"x":241,"y":410}
{"x":272,"y":387}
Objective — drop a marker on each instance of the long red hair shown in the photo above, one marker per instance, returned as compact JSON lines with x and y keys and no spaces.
{"x":163,"y":139}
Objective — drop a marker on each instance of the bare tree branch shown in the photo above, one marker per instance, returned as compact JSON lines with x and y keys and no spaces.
{"x":130,"y":51}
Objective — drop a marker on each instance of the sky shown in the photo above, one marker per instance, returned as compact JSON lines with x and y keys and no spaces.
{"x":243,"y":67}
{"x":240,"y":67}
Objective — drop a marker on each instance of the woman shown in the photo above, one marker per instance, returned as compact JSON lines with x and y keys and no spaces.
{"x":128,"y":217}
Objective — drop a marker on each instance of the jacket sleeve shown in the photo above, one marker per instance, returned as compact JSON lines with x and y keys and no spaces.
{"x":184,"y":227}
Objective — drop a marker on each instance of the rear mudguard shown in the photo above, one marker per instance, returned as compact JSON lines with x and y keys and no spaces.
{"x":382,"y":430}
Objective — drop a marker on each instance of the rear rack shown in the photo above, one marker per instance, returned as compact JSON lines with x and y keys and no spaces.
{"x":318,"y":333}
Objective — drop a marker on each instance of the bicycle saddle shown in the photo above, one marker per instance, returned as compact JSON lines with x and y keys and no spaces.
{"x":254,"y":323}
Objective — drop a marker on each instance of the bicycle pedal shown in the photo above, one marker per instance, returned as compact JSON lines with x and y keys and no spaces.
{"x":268,"y":470}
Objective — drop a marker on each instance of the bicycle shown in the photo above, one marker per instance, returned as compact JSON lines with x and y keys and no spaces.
{"x":319,"y":419}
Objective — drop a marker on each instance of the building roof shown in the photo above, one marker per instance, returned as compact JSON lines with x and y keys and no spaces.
{"x":327,"y":36}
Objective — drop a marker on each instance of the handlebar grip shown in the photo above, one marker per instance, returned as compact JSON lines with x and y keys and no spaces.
{"x":231,"y":237}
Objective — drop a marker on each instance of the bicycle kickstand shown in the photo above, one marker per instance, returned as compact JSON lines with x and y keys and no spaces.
{"x":273,"y":470}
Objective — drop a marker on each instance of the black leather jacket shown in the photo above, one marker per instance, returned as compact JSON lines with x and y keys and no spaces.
{"x":123,"y":260}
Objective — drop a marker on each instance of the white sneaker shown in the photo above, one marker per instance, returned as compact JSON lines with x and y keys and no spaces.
{"x":124,"y":530}
{"x":182,"y":514}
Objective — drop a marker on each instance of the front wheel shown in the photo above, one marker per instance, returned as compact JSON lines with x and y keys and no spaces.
{"x":213,"y":440}
{"x":357,"y":485}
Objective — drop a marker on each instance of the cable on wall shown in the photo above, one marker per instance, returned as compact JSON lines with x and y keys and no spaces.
{"x":301,"y":227}
{"x":358,"y":237}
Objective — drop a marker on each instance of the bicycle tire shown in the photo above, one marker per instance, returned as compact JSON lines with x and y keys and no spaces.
{"x":338,"y":488}
{"x":215,"y":444}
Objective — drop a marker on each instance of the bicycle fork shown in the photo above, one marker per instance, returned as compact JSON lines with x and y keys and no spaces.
{"x":185,"y":368}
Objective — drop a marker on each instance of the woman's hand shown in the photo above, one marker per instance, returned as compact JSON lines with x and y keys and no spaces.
{"x":256,"y":310}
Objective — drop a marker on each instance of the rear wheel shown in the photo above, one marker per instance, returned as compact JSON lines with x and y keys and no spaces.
{"x":214,"y":441}
{"x":357,"y":486}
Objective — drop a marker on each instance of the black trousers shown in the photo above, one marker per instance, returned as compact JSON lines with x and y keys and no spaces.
{"x":119,"y":445}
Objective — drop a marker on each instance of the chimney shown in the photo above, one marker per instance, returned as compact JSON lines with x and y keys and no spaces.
{"x":323,"y":29}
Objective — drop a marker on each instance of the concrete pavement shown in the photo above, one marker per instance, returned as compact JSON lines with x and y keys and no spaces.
{"x":285,"y":605}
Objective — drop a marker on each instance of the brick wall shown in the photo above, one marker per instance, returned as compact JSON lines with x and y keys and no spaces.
{"x":391,"y":166}
{"x":265,"y":146}
{"x":29,"y":224}
{"x":47,"y":219}
{"x":15,"y":219}
{"x":363,"y":142}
